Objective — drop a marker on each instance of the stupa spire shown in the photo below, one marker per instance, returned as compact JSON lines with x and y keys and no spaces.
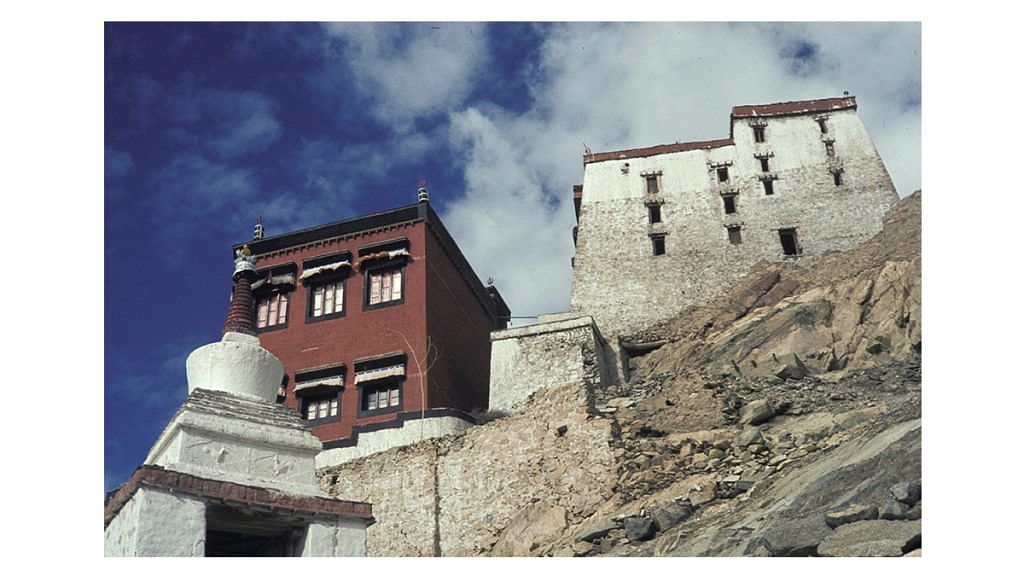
{"x":242,"y":313}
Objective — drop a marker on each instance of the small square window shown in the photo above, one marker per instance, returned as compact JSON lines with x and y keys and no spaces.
{"x":658,"y":244}
{"x":758,"y":134}
{"x":723,"y":174}
{"x":730,"y":204}
{"x":769,"y":186}
{"x":654,"y":213}
{"x":764,"y":164}
{"x":735,"y":236}
{"x":652,"y":184}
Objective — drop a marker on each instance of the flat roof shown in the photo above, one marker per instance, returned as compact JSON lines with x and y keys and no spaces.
{"x":797,"y":107}
{"x":655,"y":150}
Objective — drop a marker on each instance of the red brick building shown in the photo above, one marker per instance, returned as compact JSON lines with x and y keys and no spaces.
{"x":379,"y":320}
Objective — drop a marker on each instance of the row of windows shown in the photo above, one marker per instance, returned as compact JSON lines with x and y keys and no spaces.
{"x":787,"y":238}
{"x":327,"y":297}
{"x":375,"y":399}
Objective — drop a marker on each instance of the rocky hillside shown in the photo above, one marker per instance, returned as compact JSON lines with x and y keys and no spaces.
{"x":782,"y":419}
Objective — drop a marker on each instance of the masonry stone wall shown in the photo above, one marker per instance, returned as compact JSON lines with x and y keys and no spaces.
{"x":618,"y":279}
{"x":453,"y":496}
{"x":528,"y":358}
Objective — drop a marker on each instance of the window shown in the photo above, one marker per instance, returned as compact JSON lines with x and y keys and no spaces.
{"x":272,"y":310}
{"x":764,"y":164}
{"x":769,"y":186}
{"x":325,"y":277}
{"x":654,"y":213}
{"x":327,"y":299}
{"x":652,"y":184}
{"x":730,"y":204}
{"x":384,"y":286}
{"x":381,"y":397}
{"x":271,"y":291}
{"x":319,"y":391}
{"x":658,"y":244}
{"x":380,"y":382}
{"x":758,"y":134}
{"x":830,"y":148}
{"x":319,"y":407}
{"x":837,"y":177}
{"x":735,"y":237}
{"x":822,"y":125}
{"x":723,"y":174}
{"x":787,"y":236}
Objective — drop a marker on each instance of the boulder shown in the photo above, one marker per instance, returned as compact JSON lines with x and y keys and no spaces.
{"x":872,"y":538}
{"x":906,"y":492}
{"x":667,"y":514}
{"x":598,"y":528}
{"x":704,"y":494}
{"x":749,"y":435}
{"x":894,"y":510}
{"x":797,"y":537}
{"x":756,"y":412}
{"x":537,"y":525}
{"x":638,"y":528}
{"x":852,"y":513}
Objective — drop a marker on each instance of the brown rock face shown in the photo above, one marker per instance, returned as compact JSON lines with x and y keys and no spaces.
{"x":534,"y":527}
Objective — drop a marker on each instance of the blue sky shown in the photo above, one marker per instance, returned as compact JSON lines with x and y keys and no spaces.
{"x":207,"y":126}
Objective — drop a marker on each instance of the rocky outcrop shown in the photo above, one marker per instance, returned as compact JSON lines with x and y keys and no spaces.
{"x":783,"y":419}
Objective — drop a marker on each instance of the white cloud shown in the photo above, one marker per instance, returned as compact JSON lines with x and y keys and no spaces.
{"x":619,"y":86}
{"x":413,"y":70}
{"x":506,"y":224}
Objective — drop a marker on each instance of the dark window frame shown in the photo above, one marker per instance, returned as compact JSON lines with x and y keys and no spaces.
{"x":654,"y":213}
{"x":369,"y":270}
{"x":324,"y":281}
{"x":759,"y":134}
{"x":764,"y":164}
{"x":306,"y":399}
{"x":723,"y":173}
{"x":266,"y":294}
{"x":729,"y":203}
{"x":837,"y":177}
{"x":658,"y":244}
{"x":791,"y":233}
{"x":769,"y":186}
{"x":649,"y":180}
{"x":384,"y":383}
{"x":735,"y":235}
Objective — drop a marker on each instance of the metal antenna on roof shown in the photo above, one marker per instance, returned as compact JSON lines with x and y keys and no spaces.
{"x":424,"y":196}
{"x":257,"y":231}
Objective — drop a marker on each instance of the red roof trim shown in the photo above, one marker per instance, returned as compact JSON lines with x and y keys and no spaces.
{"x":655,"y":150}
{"x":790,"y":108}
{"x":158,"y":477}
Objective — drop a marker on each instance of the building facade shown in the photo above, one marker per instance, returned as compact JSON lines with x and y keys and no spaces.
{"x":382,"y":326}
{"x":666,"y":227}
